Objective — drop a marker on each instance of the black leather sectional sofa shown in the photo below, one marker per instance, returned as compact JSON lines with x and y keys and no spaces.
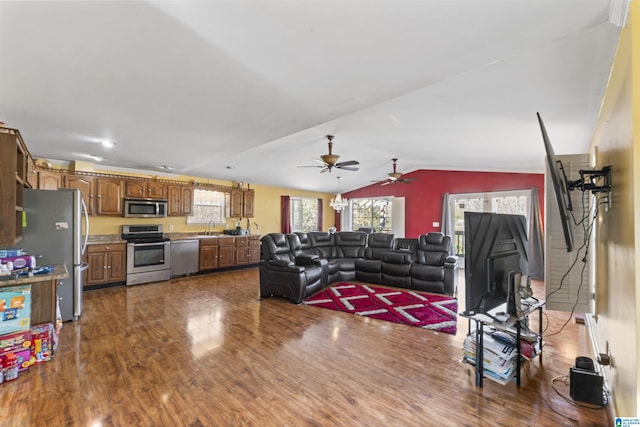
{"x":297,"y":265}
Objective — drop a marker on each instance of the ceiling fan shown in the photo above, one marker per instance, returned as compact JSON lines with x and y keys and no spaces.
{"x":395,"y":177}
{"x":330,"y":161}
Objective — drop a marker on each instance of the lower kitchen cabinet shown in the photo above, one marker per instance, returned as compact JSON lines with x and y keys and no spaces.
{"x":216,"y":252}
{"x":107,"y":264}
{"x":247,"y":250}
{"x":208,"y":254}
{"x":226,"y":252}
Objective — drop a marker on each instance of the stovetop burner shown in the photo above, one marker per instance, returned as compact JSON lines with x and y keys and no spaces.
{"x":143,"y":233}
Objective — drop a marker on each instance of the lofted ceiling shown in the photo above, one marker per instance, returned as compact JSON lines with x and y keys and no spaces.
{"x":247,"y":90}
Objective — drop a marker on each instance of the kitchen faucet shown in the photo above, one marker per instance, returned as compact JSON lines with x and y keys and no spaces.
{"x":209,"y":227}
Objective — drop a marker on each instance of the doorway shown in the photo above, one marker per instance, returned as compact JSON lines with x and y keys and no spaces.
{"x":515,"y":202}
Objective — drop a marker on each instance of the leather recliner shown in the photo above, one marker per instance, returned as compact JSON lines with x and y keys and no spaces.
{"x":281,"y":276}
{"x":434,"y":269}
{"x":350,"y":246}
{"x":369,"y":268}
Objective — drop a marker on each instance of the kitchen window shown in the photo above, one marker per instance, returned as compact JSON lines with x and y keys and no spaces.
{"x":209,"y":206}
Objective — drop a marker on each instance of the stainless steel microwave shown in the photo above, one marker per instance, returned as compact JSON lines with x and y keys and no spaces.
{"x":145,"y":208}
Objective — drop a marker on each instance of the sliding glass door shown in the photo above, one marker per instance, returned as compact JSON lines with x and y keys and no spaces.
{"x":506,"y":202}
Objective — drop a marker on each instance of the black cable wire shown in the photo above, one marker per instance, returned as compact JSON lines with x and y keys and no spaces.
{"x":549,"y":404}
{"x":587,"y":232}
{"x":570,"y":400}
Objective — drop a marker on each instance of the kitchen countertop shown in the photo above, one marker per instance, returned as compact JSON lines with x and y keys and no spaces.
{"x":59,"y":272}
{"x":103,"y":239}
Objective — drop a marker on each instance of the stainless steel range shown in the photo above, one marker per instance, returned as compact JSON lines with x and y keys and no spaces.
{"x":148,"y":254}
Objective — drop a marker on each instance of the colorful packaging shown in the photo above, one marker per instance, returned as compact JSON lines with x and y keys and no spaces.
{"x":16,"y":314}
{"x":10,"y":252}
{"x":16,"y":341}
{"x":20,"y":261}
{"x":42,"y":343}
{"x":11,"y":367}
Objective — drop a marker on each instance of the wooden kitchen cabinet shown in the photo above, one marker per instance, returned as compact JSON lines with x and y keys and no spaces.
{"x":109,"y":196}
{"x":49,"y":180}
{"x":247,"y":250}
{"x":208,"y":254}
{"x":242,"y":203}
{"x":87,"y":187}
{"x":187,"y":200}
{"x":254,"y":249}
{"x":145,"y":189}
{"x":13,"y":179}
{"x":180,"y":200}
{"x":31,"y":172}
{"x":107,"y":264}
{"x":226,"y":252}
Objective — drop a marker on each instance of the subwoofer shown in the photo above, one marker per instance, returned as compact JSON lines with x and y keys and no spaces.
{"x":585,"y":384}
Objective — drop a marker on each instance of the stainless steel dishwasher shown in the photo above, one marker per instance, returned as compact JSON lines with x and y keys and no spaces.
{"x":184,"y":257}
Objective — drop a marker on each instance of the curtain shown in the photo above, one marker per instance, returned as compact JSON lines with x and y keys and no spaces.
{"x":319,"y":214}
{"x":446,"y":224}
{"x":536,"y":238}
{"x":285,"y":214}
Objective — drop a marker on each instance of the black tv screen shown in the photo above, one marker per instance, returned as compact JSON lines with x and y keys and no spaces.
{"x":495,"y":246}
{"x":561,"y":187}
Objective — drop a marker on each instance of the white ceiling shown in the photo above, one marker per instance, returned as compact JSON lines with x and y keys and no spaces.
{"x":257,"y":84}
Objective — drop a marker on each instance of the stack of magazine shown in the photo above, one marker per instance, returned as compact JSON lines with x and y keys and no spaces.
{"x":500,"y":353}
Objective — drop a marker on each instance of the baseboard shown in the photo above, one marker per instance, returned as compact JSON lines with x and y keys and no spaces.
{"x":591,"y":325}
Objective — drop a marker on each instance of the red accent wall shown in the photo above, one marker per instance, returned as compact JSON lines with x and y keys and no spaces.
{"x":423,"y":197}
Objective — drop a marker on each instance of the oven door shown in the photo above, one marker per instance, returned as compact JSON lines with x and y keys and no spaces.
{"x":143,"y":257}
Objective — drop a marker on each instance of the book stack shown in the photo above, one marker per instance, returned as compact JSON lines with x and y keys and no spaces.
{"x":499,"y":356}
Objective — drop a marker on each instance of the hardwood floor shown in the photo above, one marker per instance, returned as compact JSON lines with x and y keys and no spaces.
{"x":206,"y":351}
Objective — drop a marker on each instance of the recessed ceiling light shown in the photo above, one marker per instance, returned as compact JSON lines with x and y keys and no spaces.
{"x":167,"y":168}
{"x":230,"y":167}
{"x":96,"y":158}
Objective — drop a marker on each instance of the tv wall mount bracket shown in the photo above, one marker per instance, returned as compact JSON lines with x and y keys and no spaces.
{"x":595,"y":181}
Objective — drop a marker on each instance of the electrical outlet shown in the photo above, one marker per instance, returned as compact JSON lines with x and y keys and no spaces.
{"x":436,"y":224}
{"x":170,"y":227}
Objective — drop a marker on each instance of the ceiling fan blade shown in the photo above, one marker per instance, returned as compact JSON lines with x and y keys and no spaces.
{"x":310,"y":166}
{"x":327,"y":169}
{"x":388,"y":182}
{"x":319,"y":161}
{"x":406,"y":180}
{"x":347,"y":163}
{"x":346,"y":168}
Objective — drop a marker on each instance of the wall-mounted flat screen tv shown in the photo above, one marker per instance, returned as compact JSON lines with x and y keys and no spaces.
{"x":561,"y":186}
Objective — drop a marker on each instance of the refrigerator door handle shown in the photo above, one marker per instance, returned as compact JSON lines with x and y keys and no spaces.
{"x":85,"y":214}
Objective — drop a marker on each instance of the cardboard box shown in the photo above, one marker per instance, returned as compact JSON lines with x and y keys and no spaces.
{"x":24,"y":359}
{"x":18,"y":343}
{"x":42,"y":340}
{"x":15,"y":309}
{"x":15,"y":341}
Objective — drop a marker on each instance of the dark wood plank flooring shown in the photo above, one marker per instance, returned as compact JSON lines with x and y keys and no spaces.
{"x":206,"y":351}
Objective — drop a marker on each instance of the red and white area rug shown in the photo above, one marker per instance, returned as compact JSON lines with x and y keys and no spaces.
{"x":429,"y":311}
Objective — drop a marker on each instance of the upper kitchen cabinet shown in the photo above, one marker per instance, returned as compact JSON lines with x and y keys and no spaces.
{"x":32,"y":173}
{"x":110,"y":193}
{"x":241,"y":203}
{"x":13,"y":178}
{"x":180,"y":199}
{"x":87,"y":187}
{"x":145,"y":189}
{"x":49,"y":180}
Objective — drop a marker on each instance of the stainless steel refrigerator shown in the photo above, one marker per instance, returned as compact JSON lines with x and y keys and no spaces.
{"x":53,"y":233}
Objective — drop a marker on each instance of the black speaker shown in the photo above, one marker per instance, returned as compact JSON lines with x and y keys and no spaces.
{"x":585,"y":384}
